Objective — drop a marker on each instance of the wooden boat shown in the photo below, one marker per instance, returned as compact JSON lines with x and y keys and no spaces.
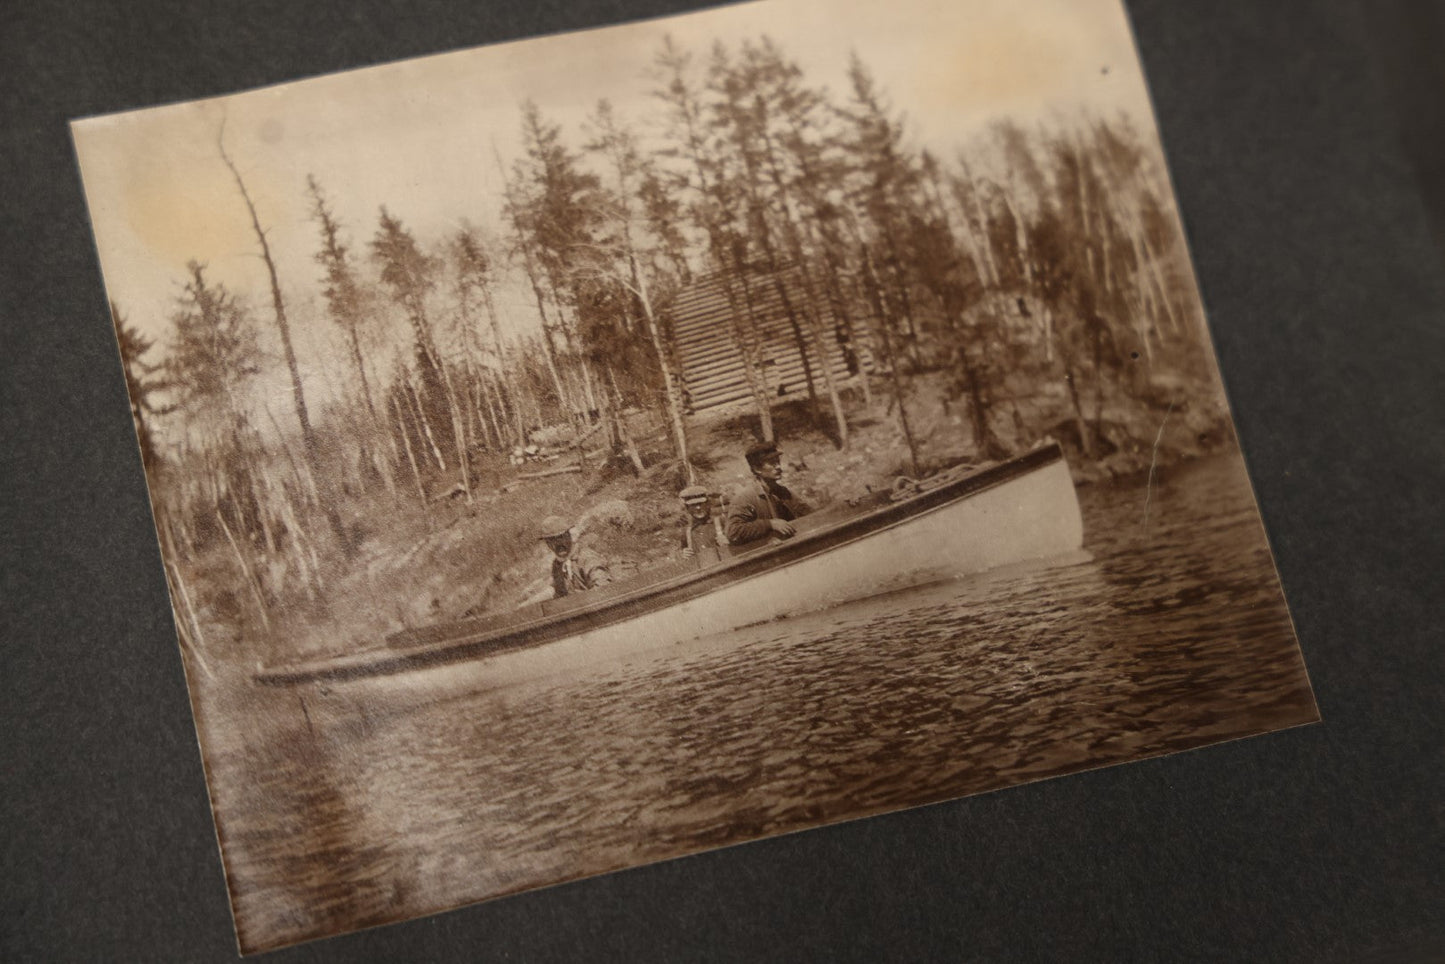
{"x":1021,"y":509}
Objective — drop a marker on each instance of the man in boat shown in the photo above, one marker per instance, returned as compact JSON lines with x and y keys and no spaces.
{"x":703,"y":533}
{"x":574,"y":569}
{"x":764,"y":506}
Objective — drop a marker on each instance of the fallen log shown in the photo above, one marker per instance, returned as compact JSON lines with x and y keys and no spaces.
{"x":579,"y":439}
{"x":529,"y":476}
{"x":564,"y":470}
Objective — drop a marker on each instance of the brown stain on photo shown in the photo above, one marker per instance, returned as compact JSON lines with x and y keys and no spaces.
{"x":187,"y":207}
{"x":1015,"y":62}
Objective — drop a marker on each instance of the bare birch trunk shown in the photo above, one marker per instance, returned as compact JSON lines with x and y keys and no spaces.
{"x":501,"y":348}
{"x":884,"y":324}
{"x":530,"y":268}
{"x":188,"y":626}
{"x":990,"y":266}
{"x":246,"y":571}
{"x":410,"y":455}
{"x":424,"y":432}
{"x":308,"y":435}
{"x":459,"y":432}
{"x":672,"y":396}
{"x":820,"y":343}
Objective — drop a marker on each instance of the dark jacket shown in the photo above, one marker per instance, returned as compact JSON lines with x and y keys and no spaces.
{"x":754,"y":505}
{"x":580,"y":571}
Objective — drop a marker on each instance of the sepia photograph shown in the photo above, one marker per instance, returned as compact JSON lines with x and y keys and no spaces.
{"x":591,"y":450}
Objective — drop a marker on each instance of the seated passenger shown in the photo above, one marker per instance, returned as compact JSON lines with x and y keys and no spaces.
{"x":574,"y":569}
{"x":764,"y":506}
{"x":703,"y":532}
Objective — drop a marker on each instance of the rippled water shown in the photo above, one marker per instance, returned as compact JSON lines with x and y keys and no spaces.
{"x":366,"y":809}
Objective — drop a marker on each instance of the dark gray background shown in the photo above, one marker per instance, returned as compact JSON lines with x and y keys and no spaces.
{"x":1306,"y":143}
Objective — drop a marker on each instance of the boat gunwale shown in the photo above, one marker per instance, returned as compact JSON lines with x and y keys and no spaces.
{"x":640,"y":601}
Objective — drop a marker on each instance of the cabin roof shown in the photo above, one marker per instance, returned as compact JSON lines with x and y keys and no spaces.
{"x":723,"y":314}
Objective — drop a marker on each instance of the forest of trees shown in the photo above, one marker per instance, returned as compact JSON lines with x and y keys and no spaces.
{"x":1035,"y":258}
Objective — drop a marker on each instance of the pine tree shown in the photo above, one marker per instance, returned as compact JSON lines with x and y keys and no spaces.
{"x":143,"y":382}
{"x":518,"y":213}
{"x":410,"y":275}
{"x":214,"y":351}
{"x":630,"y":174}
{"x":738,"y":120}
{"x":474,"y":271}
{"x":344,"y":299}
{"x":701,"y":173}
{"x":879,"y":188}
{"x":566,"y":209}
{"x":789,"y":118}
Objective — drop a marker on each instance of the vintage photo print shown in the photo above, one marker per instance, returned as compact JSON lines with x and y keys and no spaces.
{"x":590,"y":450}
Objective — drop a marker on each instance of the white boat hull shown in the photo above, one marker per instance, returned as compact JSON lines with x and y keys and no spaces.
{"x":1033,"y":515}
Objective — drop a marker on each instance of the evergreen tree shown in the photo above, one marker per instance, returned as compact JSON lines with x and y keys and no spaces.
{"x":475,"y":271}
{"x":409,"y":273}
{"x":701,"y":174}
{"x":518,"y":214}
{"x":790,"y":118}
{"x":566,"y":211}
{"x":738,"y":123}
{"x":143,"y":382}
{"x":630,"y":173}
{"x":879,"y":186}
{"x":214,"y":350}
{"x":344,"y":299}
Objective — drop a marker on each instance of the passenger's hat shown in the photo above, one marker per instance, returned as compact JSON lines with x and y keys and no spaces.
{"x":693,"y":493}
{"x":760,"y":453}
{"x":553,"y":527}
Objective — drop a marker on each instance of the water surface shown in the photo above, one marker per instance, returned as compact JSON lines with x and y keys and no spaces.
{"x":1170,"y":632}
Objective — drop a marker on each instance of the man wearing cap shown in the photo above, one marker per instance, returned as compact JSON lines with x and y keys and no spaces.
{"x":573,"y":569}
{"x":764,"y":506}
{"x":703,"y":533}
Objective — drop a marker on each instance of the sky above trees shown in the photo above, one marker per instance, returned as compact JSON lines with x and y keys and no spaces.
{"x":422,"y":137}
